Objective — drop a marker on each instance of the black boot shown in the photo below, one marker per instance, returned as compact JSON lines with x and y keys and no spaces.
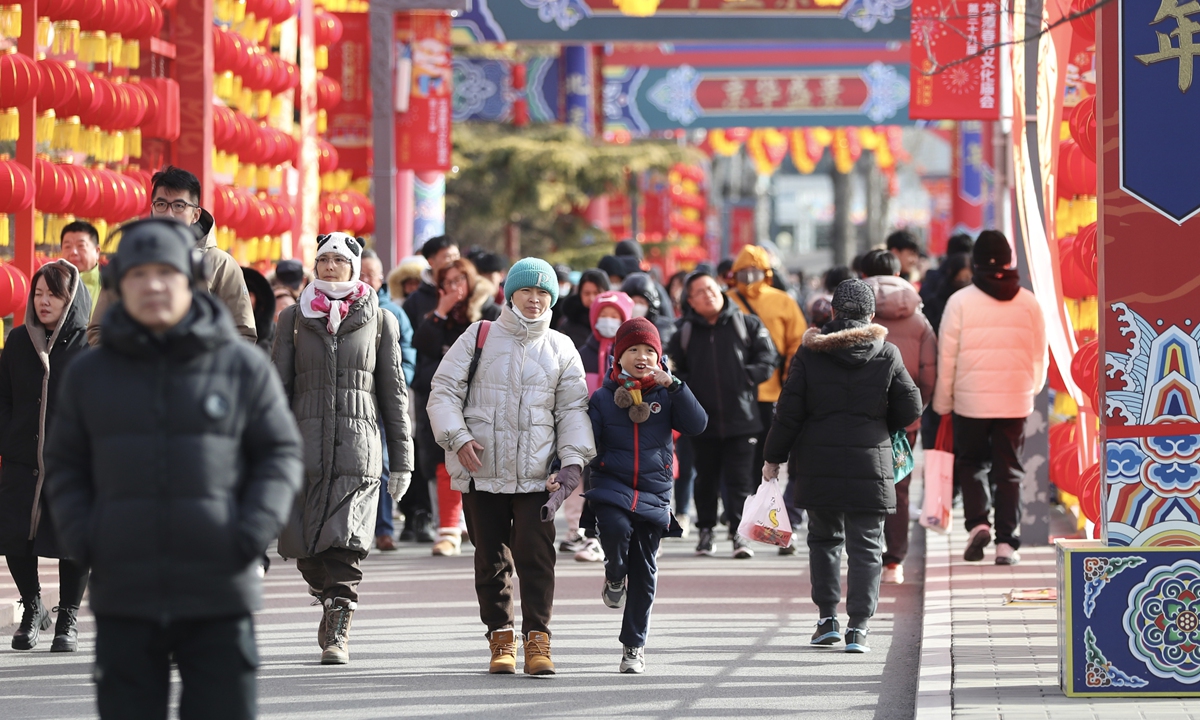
{"x":409,"y":532}
{"x":424,"y":527}
{"x":34,"y":620}
{"x":66,"y":634}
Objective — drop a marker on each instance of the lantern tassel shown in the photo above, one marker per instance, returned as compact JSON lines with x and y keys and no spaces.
{"x":10,"y":123}
{"x":133,"y":143}
{"x":131,"y":54}
{"x":45,"y":127}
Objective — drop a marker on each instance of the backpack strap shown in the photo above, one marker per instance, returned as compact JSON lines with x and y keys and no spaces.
{"x":483,"y":327}
{"x":685,"y":335}
{"x":746,"y":303}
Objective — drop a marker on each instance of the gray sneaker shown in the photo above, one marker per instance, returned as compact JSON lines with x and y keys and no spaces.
{"x":613,"y":594}
{"x":633,"y":660}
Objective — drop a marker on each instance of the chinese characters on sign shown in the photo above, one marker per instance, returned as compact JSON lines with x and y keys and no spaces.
{"x":423,"y":133}
{"x":826,"y":91}
{"x":1185,"y":32}
{"x":955,"y":69}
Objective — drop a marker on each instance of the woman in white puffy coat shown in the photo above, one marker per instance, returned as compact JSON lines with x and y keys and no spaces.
{"x":524,"y":409}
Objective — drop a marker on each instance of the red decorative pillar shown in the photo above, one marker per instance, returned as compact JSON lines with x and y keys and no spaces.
{"x":26,"y":147}
{"x":194,"y":71}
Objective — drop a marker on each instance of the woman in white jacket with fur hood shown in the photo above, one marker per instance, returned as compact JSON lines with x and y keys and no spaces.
{"x":502,"y":429}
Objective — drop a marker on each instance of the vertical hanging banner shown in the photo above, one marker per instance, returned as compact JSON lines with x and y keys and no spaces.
{"x":974,"y":178}
{"x":955,"y":72}
{"x":423,"y":132}
{"x":579,"y":96}
{"x":349,"y":122}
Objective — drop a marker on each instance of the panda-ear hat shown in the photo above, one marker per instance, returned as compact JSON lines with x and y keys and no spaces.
{"x":347,"y":246}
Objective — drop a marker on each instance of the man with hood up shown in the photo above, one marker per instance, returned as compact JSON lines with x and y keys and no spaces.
{"x":754,"y":295}
{"x":175,"y":192}
{"x":992,"y":364}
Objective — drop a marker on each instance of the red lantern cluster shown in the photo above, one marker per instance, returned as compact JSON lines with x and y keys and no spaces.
{"x":1064,"y":457}
{"x":16,"y":186}
{"x":329,"y":92}
{"x":277,"y":11}
{"x":254,"y":143}
{"x":20,"y":80}
{"x":251,"y":215}
{"x":327,"y":28}
{"x":1085,"y":370}
{"x":327,"y":157}
{"x":1076,"y":173}
{"x":348,"y":211}
{"x":1085,"y":252}
{"x":14,"y":290}
{"x":1084,"y":25}
{"x":259,"y":70}
{"x":1082,"y":122}
{"x":138,"y":19}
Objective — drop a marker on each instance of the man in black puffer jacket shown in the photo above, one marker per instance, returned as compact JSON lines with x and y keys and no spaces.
{"x":172,"y":463}
{"x":723,"y":356}
{"x":846,"y":393}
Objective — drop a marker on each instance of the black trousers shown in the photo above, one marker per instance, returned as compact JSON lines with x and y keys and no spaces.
{"x":630,"y":546}
{"x":72,"y":578}
{"x":862,"y":536}
{"x":725,"y":461}
{"x":509,"y":535}
{"x":217,"y":660}
{"x":332,"y":573}
{"x":896,"y":526}
{"x":429,"y":454}
{"x":987,"y":455}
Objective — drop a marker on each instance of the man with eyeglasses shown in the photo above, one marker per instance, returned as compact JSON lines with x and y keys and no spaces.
{"x":175,"y":193}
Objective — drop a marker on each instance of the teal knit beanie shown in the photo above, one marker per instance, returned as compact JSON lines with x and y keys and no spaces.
{"x":531,"y":273}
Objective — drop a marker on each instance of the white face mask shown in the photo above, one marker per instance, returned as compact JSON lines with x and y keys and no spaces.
{"x":607,"y":327}
{"x":640,"y":310}
{"x":564,"y":290}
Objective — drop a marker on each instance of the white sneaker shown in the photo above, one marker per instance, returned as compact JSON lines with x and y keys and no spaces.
{"x":893,"y":574}
{"x":573,"y":543}
{"x":1006,"y":554}
{"x":685,"y":524}
{"x":633,"y":660}
{"x":591,"y":551}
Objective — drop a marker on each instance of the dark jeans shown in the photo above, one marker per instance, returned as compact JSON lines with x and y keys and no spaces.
{"x":896,"y":526}
{"x":508,"y":534}
{"x":383,"y":519}
{"x":725,"y":462}
{"x":862,"y":536}
{"x":987,"y":454}
{"x":429,"y":454}
{"x":72,"y":578}
{"x":217,"y":660}
{"x":332,"y":573}
{"x":630,"y":545}
{"x":684,"y":450}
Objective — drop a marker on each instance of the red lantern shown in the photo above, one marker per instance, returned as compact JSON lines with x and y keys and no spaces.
{"x":284,"y":10}
{"x":57,"y":83}
{"x":329,"y":92}
{"x":14,"y":290}
{"x":1085,"y":252}
{"x":1076,"y":284}
{"x":1064,"y":457}
{"x":1089,"y":493}
{"x":86,"y":200}
{"x":58,"y":9}
{"x":82,"y":98}
{"x":162,"y":110}
{"x":1076,"y":174}
{"x":54,"y":188}
{"x":327,"y":28}
{"x":16,"y":186}
{"x":19,"y":79}
{"x":1084,"y":25}
{"x":1085,"y":369}
{"x":1083,"y":126}
{"x":327,"y":157}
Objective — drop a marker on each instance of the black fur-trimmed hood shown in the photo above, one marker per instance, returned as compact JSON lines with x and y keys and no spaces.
{"x":850,"y":346}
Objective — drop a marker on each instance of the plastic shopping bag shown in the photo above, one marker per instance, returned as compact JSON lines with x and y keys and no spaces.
{"x":939,"y":480}
{"x":764,"y":517}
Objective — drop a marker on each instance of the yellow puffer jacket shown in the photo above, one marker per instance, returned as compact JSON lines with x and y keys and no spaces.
{"x":778,"y":311}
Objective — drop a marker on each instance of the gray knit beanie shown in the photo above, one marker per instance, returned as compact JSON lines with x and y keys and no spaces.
{"x":854,"y":300}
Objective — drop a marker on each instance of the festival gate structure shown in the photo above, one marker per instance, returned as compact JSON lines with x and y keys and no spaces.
{"x":1129,"y":603}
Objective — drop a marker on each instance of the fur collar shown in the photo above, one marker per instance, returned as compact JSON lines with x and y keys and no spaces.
{"x":484,"y":291}
{"x":817,"y":341}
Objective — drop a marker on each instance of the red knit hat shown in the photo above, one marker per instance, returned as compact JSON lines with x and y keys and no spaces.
{"x":634,"y":332}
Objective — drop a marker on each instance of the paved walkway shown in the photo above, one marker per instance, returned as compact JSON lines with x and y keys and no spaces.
{"x":729,"y":640}
{"x":983,"y":659}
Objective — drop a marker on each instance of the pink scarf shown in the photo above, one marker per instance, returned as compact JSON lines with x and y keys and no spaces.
{"x":335,"y":308}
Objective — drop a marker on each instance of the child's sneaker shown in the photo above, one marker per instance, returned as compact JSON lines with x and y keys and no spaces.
{"x":827,"y":632}
{"x":613,"y":594}
{"x":856,"y":641}
{"x":705,"y":546}
{"x":573,"y":543}
{"x":590,"y":552}
{"x":633,"y":660}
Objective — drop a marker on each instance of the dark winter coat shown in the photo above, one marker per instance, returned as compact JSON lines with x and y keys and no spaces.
{"x":723,"y":370}
{"x":846,"y":393}
{"x":576,"y":323}
{"x":642,"y":285}
{"x":31,"y":369}
{"x":422,"y":301}
{"x":436,"y":335}
{"x":632,"y":469}
{"x":172,"y":464}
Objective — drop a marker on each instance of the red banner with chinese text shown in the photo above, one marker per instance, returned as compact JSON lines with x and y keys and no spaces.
{"x":349,"y":122}
{"x":944,"y":84}
{"x":423,"y":132}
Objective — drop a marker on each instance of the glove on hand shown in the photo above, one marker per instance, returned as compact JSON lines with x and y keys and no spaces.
{"x":568,"y":479}
{"x":398,"y":483}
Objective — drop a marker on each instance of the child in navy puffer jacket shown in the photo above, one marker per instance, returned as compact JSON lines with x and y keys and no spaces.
{"x":633,"y":415}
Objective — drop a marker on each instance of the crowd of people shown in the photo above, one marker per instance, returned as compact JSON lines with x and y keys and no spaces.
{"x":505,"y":394}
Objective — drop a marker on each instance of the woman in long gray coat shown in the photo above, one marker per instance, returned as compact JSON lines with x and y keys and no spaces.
{"x":338,"y":355}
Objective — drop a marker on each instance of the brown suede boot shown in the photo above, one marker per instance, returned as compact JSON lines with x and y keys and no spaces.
{"x":504,"y":652}
{"x":537,"y":654}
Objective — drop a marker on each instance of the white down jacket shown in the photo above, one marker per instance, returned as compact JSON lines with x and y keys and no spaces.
{"x":528,"y":405}
{"x":992,"y":355}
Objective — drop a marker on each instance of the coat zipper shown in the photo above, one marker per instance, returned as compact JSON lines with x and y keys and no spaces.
{"x":636,"y":454}
{"x":312,"y":550}
{"x":712,"y":344}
